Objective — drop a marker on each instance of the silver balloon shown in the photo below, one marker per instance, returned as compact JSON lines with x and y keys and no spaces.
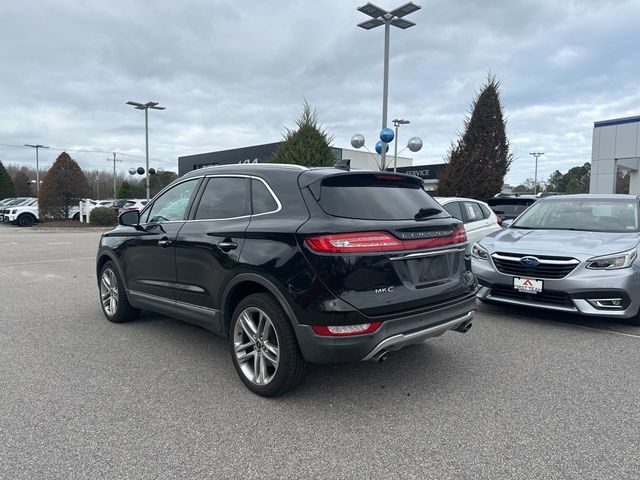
{"x":132,"y":171}
{"x":414,"y":144}
{"x":357,"y":141}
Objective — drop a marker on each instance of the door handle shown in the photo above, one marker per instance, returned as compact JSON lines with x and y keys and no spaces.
{"x":226,"y":246}
{"x":164,"y":243}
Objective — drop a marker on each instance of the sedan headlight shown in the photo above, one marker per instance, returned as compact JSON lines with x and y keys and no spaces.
{"x":612,"y":262}
{"x":479,"y":252}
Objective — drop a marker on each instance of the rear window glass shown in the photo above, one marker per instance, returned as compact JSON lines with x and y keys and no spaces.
{"x":375,"y":197}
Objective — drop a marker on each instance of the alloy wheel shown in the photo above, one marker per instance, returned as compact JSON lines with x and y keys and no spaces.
{"x":109,"y":292}
{"x":256,"y":346}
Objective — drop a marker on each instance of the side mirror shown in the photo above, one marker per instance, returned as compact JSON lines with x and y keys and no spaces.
{"x":130,"y":218}
{"x":507,"y":223}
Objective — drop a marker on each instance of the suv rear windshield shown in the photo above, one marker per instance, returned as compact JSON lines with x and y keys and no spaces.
{"x":375,"y":197}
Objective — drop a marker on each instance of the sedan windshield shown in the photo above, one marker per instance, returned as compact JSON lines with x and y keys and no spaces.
{"x":592,"y":215}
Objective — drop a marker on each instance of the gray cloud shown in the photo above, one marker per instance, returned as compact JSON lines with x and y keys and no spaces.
{"x":236,"y":73}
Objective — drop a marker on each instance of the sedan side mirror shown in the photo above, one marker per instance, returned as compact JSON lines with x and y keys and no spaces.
{"x":130,"y":218}
{"x":507,"y":223}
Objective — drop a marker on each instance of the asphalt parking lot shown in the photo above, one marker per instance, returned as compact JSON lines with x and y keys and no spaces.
{"x":524,"y":394}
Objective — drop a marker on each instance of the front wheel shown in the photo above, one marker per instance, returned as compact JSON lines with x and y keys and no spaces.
{"x":113,"y":298}
{"x":26,"y":220}
{"x":264,"y":348}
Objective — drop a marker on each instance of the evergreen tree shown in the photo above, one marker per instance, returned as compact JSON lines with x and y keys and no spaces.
{"x":309,"y":145}
{"x":577,"y":179}
{"x":124,"y":190}
{"x":556,"y":182}
{"x":22,"y":181}
{"x":63,"y":186}
{"x":478,"y":162}
{"x":7,"y":188}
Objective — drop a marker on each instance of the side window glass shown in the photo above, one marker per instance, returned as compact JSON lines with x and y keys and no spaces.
{"x":486,"y":213}
{"x":262,"y":200}
{"x":224,"y":197}
{"x":453,"y":209}
{"x":472,"y":211}
{"x":172,"y":205}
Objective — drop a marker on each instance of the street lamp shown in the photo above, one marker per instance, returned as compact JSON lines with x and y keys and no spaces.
{"x":382,"y":17}
{"x":146,"y":107}
{"x":535,"y":179}
{"x":37,"y":147}
{"x":396,"y":123}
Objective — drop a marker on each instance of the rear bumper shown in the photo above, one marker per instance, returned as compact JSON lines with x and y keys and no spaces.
{"x":392,"y":335}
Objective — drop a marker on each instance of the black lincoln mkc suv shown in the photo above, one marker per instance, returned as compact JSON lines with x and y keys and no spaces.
{"x":292,"y":265}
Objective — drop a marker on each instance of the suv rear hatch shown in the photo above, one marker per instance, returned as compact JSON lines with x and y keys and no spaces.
{"x":379,"y":242}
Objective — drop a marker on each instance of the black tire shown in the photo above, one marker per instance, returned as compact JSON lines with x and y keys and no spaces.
{"x":76,"y":217}
{"x":26,"y":220}
{"x":290,"y":367}
{"x":110,"y":281}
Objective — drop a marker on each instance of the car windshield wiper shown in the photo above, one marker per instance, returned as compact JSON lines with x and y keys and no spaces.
{"x":426,"y":212}
{"x":524,"y":228}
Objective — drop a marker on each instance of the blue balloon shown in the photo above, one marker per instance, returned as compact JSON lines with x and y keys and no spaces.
{"x":379,"y":147}
{"x":386,"y":135}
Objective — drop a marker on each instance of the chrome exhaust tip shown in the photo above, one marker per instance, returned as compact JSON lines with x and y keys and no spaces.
{"x":380,"y":356}
{"x":464,"y":328}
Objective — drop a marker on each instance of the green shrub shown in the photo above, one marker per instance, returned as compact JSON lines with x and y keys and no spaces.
{"x":103,"y":216}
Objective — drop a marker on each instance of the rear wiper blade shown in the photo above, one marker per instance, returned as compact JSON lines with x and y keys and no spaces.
{"x":426,"y":212}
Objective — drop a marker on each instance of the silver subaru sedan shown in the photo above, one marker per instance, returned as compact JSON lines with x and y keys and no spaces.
{"x":571,"y":253}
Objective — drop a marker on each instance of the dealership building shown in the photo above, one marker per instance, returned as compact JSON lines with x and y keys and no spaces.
{"x":359,"y":160}
{"x":616,"y":144}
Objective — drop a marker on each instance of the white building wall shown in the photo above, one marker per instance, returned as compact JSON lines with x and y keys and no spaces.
{"x":615,"y":143}
{"x":363,"y":160}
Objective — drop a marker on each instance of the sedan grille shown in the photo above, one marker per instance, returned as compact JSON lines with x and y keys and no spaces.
{"x":560,"y":299}
{"x":539,"y":267}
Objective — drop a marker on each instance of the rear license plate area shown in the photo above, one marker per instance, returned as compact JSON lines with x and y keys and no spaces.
{"x":426,"y":270}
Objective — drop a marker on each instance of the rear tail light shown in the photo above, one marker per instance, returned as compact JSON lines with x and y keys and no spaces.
{"x":346,"y":330}
{"x":354,"y":242}
{"x":363,"y":242}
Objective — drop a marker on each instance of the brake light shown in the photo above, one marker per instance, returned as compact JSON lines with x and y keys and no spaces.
{"x":354,"y":242}
{"x":345,"y":330}
{"x":395,"y":178}
{"x":363,"y":242}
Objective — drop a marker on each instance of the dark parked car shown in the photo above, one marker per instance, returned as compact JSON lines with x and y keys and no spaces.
{"x":509,"y":207}
{"x":293,"y":265}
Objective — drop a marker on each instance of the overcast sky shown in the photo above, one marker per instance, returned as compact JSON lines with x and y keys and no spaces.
{"x":235,"y":73}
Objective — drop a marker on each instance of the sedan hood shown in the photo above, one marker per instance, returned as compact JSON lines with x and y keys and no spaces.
{"x":560,"y":242}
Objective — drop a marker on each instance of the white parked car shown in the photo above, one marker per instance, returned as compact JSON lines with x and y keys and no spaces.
{"x":479,"y":220}
{"x":133,"y":204}
{"x":15,"y":202}
{"x":23,"y":215}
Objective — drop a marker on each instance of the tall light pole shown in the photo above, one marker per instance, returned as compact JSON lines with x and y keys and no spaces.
{"x":382,"y":17}
{"x":37,"y":147}
{"x":146,"y":107}
{"x":535,"y":178}
{"x":396,"y":123}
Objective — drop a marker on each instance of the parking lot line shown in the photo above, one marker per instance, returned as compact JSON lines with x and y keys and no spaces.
{"x":51,"y":260}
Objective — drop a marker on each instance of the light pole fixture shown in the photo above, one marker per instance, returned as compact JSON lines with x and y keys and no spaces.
{"x":535,"y":178}
{"x":380,"y":17}
{"x":396,"y":123}
{"x":37,"y":147}
{"x":146,"y":107}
